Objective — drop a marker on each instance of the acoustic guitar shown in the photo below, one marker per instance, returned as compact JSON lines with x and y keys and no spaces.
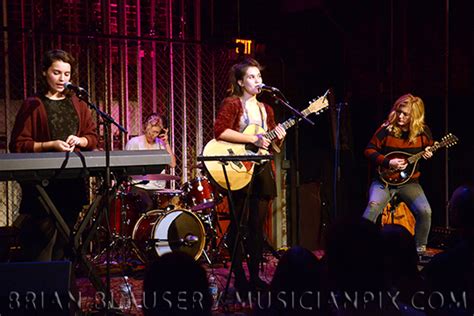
{"x":240,"y":173}
{"x":397,"y":177}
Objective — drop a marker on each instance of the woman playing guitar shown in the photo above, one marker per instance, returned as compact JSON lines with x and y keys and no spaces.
{"x":239,"y":110}
{"x":403,"y":131}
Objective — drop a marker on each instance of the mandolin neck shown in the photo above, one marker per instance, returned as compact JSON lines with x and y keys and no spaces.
{"x":416,"y":157}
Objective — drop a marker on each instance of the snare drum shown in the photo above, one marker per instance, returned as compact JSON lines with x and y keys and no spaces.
{"x":158,"y":232}
{"x":165,"y":197}
{"x":199,"y":194}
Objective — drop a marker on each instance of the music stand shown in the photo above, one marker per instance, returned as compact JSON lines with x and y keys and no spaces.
{"x":224,"y":160}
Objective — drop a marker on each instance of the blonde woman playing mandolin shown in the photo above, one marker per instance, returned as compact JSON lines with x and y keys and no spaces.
{"x":403,"y":134}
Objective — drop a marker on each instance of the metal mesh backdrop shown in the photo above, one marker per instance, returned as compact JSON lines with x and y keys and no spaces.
{"x":134,"y":58}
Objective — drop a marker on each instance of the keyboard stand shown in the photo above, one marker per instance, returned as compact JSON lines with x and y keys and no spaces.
{"x":63,"y":229}
{"x":51,"y":209}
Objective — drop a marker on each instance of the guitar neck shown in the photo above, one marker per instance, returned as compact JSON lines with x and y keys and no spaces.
{"x":271,"y":135}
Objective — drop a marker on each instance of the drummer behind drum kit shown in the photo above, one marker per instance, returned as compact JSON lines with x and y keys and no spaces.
{"x":182,"y":220}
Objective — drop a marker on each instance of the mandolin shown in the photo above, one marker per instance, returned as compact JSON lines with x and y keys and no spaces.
{"x":397,"y":177}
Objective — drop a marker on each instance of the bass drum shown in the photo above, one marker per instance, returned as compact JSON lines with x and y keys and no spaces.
{"x":158,"y":232}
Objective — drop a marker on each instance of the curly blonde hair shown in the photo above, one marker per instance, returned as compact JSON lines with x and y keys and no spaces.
{"x":154,"y":119}
{"x":417,"y":116}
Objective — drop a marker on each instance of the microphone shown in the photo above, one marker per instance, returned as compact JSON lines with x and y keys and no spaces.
{"x":264,"y":87}
{"x":76,"y":89}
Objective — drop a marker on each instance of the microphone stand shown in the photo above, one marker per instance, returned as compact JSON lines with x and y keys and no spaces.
{"x":337,"y":157}
{"x":106,"y":122}
{"x":281,"y":99}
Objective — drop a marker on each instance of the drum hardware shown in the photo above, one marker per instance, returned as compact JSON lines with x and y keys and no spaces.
{"x":211,"y":234}
{"x":214,"y":246}
{"x":219,"y":245}
{"x":189,"y":240}
{"x":118,"y":224}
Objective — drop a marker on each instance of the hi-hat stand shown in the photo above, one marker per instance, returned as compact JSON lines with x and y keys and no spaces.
{"x":224,"y":160}
{"x":120,"y":244}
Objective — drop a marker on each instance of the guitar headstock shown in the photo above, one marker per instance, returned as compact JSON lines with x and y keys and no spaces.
{"x":449,"y":140}
{"x":318,"y":105}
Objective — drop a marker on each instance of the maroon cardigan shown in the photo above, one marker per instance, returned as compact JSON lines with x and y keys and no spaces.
{"x":31,"y":125}
{"x":230,"y":113}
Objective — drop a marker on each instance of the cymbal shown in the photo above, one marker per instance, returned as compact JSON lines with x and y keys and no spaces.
{"x":158,"y":177}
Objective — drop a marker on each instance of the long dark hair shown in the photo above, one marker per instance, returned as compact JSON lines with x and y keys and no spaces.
{"x":237,"y":72}
{"x":48,"y":59}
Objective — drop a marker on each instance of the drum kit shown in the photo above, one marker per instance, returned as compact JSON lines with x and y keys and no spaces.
{"x":182,"y":220}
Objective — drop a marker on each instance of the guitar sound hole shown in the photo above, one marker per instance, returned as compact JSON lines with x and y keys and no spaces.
{"x":252,"y":148}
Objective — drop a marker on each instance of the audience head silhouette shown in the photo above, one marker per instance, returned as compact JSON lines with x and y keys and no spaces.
{"x":401,"y":258}
{"x":175,"y":284}
{"x":295,"y":285}
{"x":450,"y":272}
{"x":401,"y":265}
{"x":298,"y":269}
{"x":461,"y":209}
{"x":353,"y":256}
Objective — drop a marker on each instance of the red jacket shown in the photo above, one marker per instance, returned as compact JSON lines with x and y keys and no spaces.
{"x":31,"y":125}
{"x":229,"y":116}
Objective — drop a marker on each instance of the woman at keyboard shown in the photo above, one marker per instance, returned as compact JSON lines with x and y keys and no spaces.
{"x":53,"y":120}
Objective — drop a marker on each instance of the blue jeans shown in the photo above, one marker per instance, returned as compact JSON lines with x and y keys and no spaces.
{"x":413,"y":196}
